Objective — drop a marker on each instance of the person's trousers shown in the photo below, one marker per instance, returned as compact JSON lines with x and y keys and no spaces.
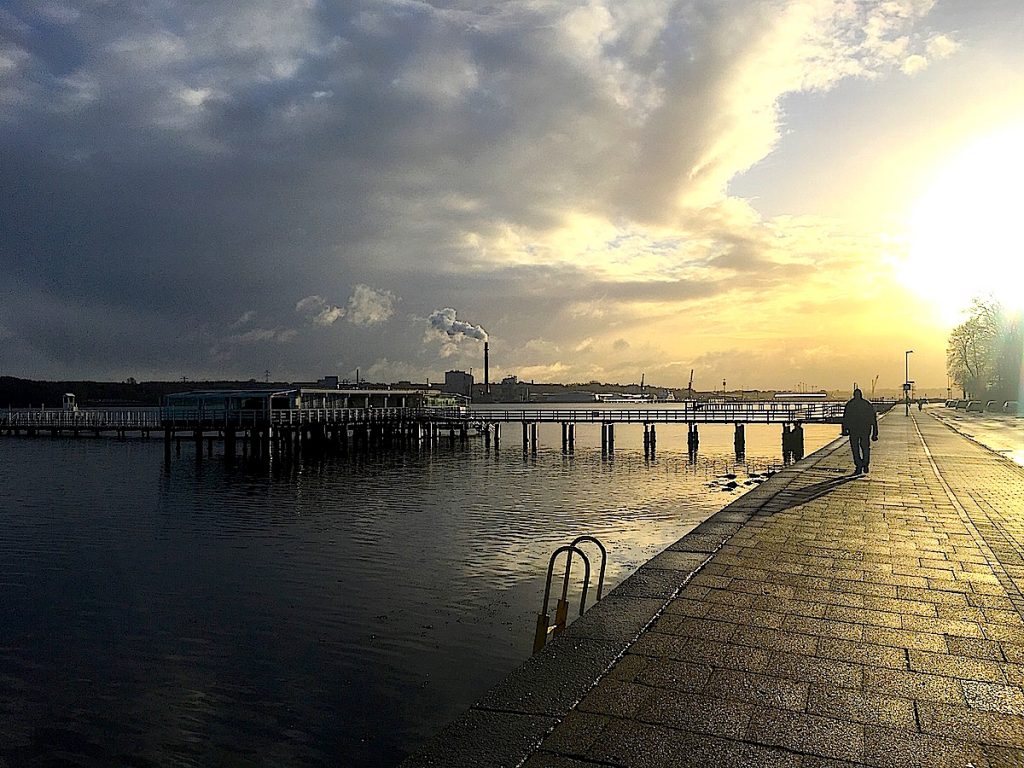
{"x":861,"y":447}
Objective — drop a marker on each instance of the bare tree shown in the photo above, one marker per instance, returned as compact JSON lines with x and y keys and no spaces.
{"x":984,"y":352}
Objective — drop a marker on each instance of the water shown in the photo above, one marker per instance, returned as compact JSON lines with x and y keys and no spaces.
{"x":333,"y":613}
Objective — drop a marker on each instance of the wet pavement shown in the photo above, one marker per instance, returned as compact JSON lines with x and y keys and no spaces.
{"x":1001,"y":432}
{"x":821,"y":620}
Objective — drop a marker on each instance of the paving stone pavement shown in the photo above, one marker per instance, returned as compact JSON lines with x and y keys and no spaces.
{"x":850,"y":621}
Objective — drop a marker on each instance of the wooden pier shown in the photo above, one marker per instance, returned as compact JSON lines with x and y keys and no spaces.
{"x":688,"y":412}
{"x":96,"y":422}
{"x":261,"y":429}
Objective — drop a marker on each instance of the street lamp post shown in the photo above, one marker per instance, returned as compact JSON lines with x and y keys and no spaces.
{"x":906,"y":380}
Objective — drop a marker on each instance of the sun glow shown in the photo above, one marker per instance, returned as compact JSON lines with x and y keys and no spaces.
{"x":966,"y":231}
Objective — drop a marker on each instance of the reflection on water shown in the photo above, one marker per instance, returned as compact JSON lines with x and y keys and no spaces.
{"x":323,"y":612}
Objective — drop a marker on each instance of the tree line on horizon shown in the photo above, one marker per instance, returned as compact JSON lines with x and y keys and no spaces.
{"x":985,"y":352}
{"x":25,"y":393}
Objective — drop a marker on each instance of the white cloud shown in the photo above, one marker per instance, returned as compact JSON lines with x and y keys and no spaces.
{"x":914,"y":64}
{"x":12,"y":57}
{"x":280,"y":335}
{"x":194,"y":97}
{"x":245,"y":318}
{"x":941,"y":46}
{"x":370,"y":306}
{"x":58,"y":13}
{"x":319,"y":311}
{"x":366,"y":306}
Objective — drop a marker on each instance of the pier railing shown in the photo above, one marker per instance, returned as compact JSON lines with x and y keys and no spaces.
{"x":58,"y":418}
{"x":145,"y":419}
{"x":702,"y":412}
{"x":298,"y":416}
{"x":187,"y":418}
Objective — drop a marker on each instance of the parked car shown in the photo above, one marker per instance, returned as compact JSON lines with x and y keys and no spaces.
{"x":975,"y":406}
{"x":1011,"y":406}
{"x":951,"y":403}
{"x":961,"y":404}
{"x":994,"y":406}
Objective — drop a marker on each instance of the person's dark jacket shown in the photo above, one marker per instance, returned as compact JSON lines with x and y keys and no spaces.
{"x":859,"y":418}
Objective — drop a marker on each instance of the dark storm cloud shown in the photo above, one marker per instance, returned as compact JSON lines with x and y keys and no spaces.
{"x":168,"y":167}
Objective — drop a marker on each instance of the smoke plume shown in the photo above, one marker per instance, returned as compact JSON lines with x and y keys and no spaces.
{"x":444,"y":320}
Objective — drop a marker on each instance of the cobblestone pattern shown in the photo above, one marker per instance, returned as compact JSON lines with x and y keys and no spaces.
{"x":505,"y":726}
{"x":996,"y":510}
{"x":850,"y":621}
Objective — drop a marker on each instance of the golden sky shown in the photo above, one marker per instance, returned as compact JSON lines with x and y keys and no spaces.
{"x":770,"y":193}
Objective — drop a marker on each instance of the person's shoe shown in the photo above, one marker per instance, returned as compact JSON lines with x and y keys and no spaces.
{"x":857,"y":471}
{"x":864,"y":469}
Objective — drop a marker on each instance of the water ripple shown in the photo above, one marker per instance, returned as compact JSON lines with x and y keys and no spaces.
{"x":320,"y":612}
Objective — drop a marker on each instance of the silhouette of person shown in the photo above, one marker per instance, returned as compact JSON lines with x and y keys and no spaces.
{"x":860,"y":423}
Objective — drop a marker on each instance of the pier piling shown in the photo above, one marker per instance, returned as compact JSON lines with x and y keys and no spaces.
{"x":229,"y":443}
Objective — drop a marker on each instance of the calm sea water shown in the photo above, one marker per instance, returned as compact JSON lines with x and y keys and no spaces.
{"x":324,"y":612}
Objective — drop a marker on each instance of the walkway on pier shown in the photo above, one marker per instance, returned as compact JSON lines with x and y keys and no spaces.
{"x":683,"y":412}
{"x":820,"y":620}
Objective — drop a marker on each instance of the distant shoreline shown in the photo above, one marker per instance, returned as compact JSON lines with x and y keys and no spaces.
{"x":25,"y":393}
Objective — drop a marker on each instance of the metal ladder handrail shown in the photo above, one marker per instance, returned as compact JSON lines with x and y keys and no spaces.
{"x":604,"y":561}
{"x":544,"y":627}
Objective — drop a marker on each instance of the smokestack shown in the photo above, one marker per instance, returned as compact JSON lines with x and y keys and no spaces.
{"x":487,"y":372}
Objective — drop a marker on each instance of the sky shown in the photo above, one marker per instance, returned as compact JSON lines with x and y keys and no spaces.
{"x":771,"y":194}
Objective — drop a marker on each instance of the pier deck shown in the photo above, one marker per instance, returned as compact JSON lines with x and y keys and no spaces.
{"x":819,"y":620}
{"x":96,"y":421}
{"x":690,"y":412}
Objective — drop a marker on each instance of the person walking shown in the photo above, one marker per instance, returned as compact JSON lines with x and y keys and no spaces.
{"x":860,"y":423}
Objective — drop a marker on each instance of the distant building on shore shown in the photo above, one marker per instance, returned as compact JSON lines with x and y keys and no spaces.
{"x":458,"y":383}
